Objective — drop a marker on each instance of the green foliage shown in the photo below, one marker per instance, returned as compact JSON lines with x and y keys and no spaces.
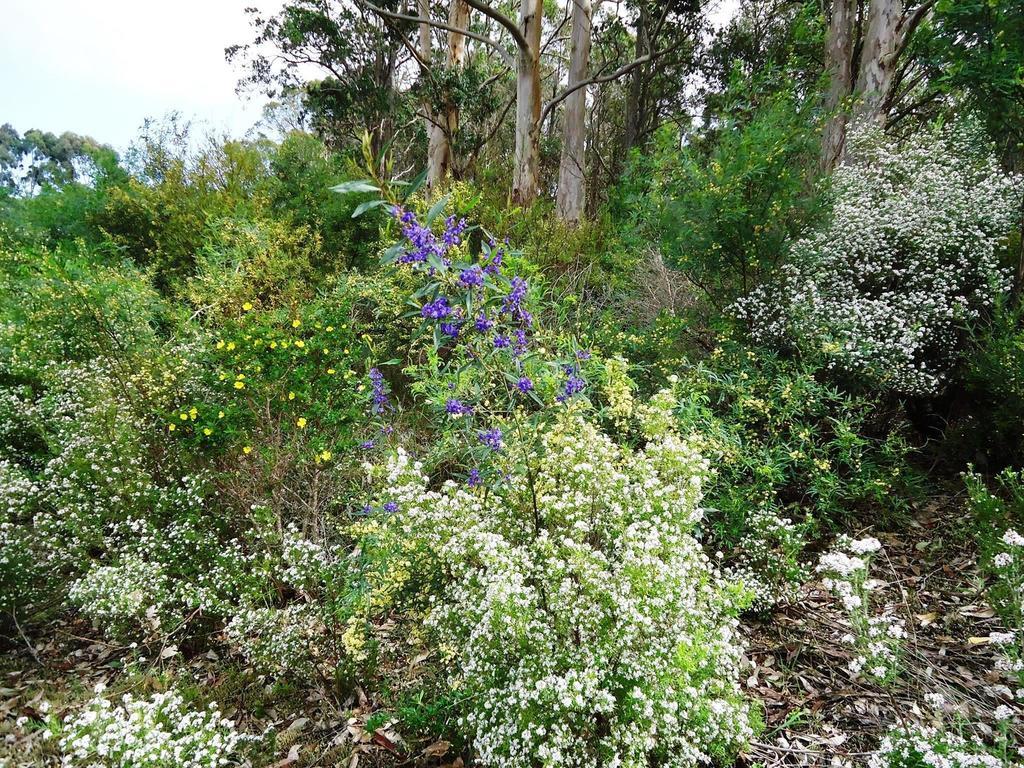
{"x":992,"y":430}
{"x":721,"y":209}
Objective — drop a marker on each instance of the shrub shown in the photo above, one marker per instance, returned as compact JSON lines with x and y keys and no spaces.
{"x":578,"y":619}
{"x":935,"y":747}
{"x":876,"y":639}
{"x":159,"y":732}
{"x":909,"y":260}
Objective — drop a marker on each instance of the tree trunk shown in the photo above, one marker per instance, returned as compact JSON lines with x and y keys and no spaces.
{"x":839,"y":49}
{"x":526,"y":175}
{"x":437,"y":142}
{"x":445,"y":124}
{"x":634,"y":116}
{"x":878,"y":59}
{"x":571,"y":196}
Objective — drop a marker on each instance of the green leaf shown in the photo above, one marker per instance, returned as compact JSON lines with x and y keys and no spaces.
{"x":436,"y":209}
{"x":415,"y":184}
{"x":364,"y":207}
{"x":359,"y":185}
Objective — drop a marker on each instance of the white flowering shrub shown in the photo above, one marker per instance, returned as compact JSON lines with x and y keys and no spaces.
{"x":769,"y":558}
{"x":908,"y":260}
{"x":158,"y":732}
{"x":123,"y":597}
{"x":934,"y":747}
{"x":579,"y":620}
{"x":875,"y":638}
{"x":1007,"y":569}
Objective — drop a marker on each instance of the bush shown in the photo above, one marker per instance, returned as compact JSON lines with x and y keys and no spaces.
{"x":159,"y":732}
{"x":934,"y":747}
{"x":885,"y":292}
{"x":579,"y":620}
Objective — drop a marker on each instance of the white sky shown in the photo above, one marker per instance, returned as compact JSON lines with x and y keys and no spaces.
{"x":100,"y":68}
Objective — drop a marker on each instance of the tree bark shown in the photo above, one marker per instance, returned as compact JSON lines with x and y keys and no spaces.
{"x":571,"y":195}
{"x":440,"y":157}
{"x":526,"y":174}
{"x":633,"y":116}
{"x":839,"y":50}
{"x":437,"y":143}
{"x":878,"y":59}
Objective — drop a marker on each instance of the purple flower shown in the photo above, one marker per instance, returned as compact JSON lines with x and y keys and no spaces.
{"x":474,"y":479}
{"x":520,"y":338}
{"x":482,"y":323}
{"x":451,"y":329}
{"x":453,"y":231}
{"x":436,"y":309}
{"x":574,"y":384}
{"x":423,"y":242}
{"x":491,"y":438}
{"x":583,"y":354}
{"x":513,"y":303}
{"x":391,"y":506}
{"x":380,"y":392}
{"x":367,"y":445}
{"x":501,"y":341}
{"x":525,"y":384}
{"x":472,"y":277}
{"x":457,"y":408}
{"x":493,"y":266}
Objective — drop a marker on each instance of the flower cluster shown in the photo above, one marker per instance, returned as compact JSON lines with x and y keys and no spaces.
{"x":767,"y":559}
{"x":932,"y":747}
{"x":908,"y":258}
{"x":876,"y":639}
{"x":1008,"y":571}
{"x":159,"y":732}
{"x":580,"y":621}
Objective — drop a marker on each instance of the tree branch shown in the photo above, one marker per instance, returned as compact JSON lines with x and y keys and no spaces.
{"x":505,"y":21}
{"x":625,"y":69}
{"x":441,"y":25}
{"x":909,"y":24}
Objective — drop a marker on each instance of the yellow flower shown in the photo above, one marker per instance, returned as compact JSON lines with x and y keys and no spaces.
{"x":301,"y":422}
{"x":300,"y":343}
{"x":291,"y":395}
{"x":330,"y":328}
{"x":273,"y":345}
{"x":326,"y":455}
{"x":193,"y":413}
{"x":171,"y":427}
{"x":239,"y":385}
{"x":296,"y":323}
{"x":183,"y":416}
{"x":220,"y":345}
{"x":207,"y":431}
{"x":220,"y":414}
{"x":330,"y":371}
{"x":247,"y":449}
{"x":231,"y":345}
{"x":247,"y":306}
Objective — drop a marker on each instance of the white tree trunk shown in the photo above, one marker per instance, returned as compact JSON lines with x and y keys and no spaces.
{"x":437,"y":145}
{"x":526,"y":174}
{"x":839,"y":49}
{"x":878,"y":58}
{"x":571,"y":194}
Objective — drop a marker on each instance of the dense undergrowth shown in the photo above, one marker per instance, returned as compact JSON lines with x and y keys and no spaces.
{"x":502,"y":485}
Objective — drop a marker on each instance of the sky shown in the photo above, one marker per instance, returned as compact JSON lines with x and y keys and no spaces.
{"x":100,"y":68}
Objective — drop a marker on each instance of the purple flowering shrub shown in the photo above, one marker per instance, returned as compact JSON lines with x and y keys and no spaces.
{"x":480,"y":360}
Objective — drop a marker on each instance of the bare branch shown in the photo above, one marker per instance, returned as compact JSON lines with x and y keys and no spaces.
{"x":517,"y":34}
{"x":442,"y":25}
